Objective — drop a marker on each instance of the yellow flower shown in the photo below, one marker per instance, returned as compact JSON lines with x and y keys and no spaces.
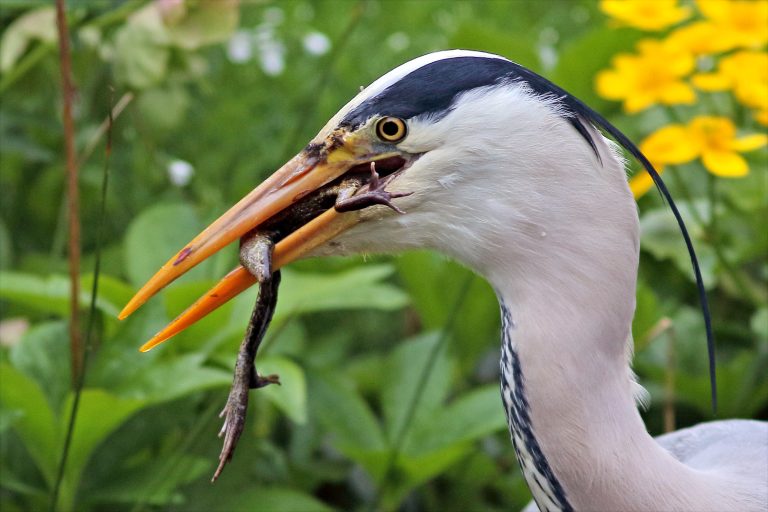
{"x":664,"y":146}
{"x":718,"y":145}
{"x":646,"y":14}
{"x":713,"y":139}
{"x":746,"y":73}
{"x":700,"y":38}
{"x":744,"y":22}
{"x":654,"y":75}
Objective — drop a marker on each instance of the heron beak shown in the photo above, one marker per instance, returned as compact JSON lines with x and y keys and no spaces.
{"x":315,"y":167}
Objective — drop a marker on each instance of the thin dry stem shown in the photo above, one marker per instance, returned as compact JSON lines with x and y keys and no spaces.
{"x":123,"y":102}
{"x":73,"y":195}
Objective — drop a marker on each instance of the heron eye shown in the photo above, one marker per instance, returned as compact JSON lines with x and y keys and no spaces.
{"x":391,"y":129}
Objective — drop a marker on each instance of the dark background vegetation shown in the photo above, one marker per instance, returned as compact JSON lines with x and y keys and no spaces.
{"x":357,"y":343}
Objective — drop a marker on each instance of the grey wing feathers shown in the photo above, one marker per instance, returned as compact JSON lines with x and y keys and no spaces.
{"x":737,"y":448}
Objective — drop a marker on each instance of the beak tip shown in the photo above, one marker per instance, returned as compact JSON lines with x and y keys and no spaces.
{"x":132,"y":306}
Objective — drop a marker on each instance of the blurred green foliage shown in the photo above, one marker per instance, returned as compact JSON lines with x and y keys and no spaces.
{"x":223,"y":95}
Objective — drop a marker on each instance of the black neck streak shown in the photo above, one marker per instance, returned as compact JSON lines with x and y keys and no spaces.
{"x":544,"y":485}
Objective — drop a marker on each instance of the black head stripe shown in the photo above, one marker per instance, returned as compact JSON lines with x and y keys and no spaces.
{"x":432,"y":89}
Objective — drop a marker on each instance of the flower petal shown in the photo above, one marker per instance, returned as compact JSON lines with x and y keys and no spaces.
{"x":611,"y":85}
{"x":678,"y":92}
{"x":638,"y":101}
{"x":671,"y":144}
{"x":717,"y":131}
{"x":646,"y":15}
{"x":713,"y":9}
{"x":711,"y":81}
{"x":700,"y":38}
{"x":750,"y":142}
{"x":753,"y":93}
{"x":725,"y":164}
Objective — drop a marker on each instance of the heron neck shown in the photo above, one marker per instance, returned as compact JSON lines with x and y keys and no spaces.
{"x":569,"y":393}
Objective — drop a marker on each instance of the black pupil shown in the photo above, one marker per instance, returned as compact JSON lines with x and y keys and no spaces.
{"x":390,"y":128}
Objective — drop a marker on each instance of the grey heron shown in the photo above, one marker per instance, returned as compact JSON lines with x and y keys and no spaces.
{"x":505,"y":172}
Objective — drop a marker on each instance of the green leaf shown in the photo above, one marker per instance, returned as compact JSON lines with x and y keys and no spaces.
{"x":403,"y":377}
{"x":36,"y":427}
{"x":291,"y":395}
{"x":204,"y":23}
{"x":43,"y":355}
{"x":163,"y":108}
{"x":173,"y":379}
{"x":413,"y":471}
{"x":749,"y":192}
{"x":474,"y":415}
{"x":8,"y":418}
{"x":434,"y":284}
{"x":432,"y":281}
{"x":51,"y":294}
{"x":356,"y":288}
{"x":444,"y":438}
{"x":141,"y":51}
{"x":272,"y":499}
{"x":660,"y":235}
{"x":38,"y":24}
{"x":342,"y":411}
{"x":153,"y":483}
{"x":155,"y":235}
{"x":100,"y":413}
{"x":14,"y":483}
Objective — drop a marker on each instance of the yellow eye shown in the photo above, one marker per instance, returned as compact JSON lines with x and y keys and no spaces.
{"x":391,"y":129}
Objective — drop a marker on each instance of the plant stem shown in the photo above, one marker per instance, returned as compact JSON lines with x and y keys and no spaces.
{"x":73,"y":207}
{"x":73,"y":193}
{"x":104,"y":127}
{"x":59,"y":234}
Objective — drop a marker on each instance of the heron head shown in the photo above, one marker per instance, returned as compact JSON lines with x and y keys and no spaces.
{"x":473,"y":139}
